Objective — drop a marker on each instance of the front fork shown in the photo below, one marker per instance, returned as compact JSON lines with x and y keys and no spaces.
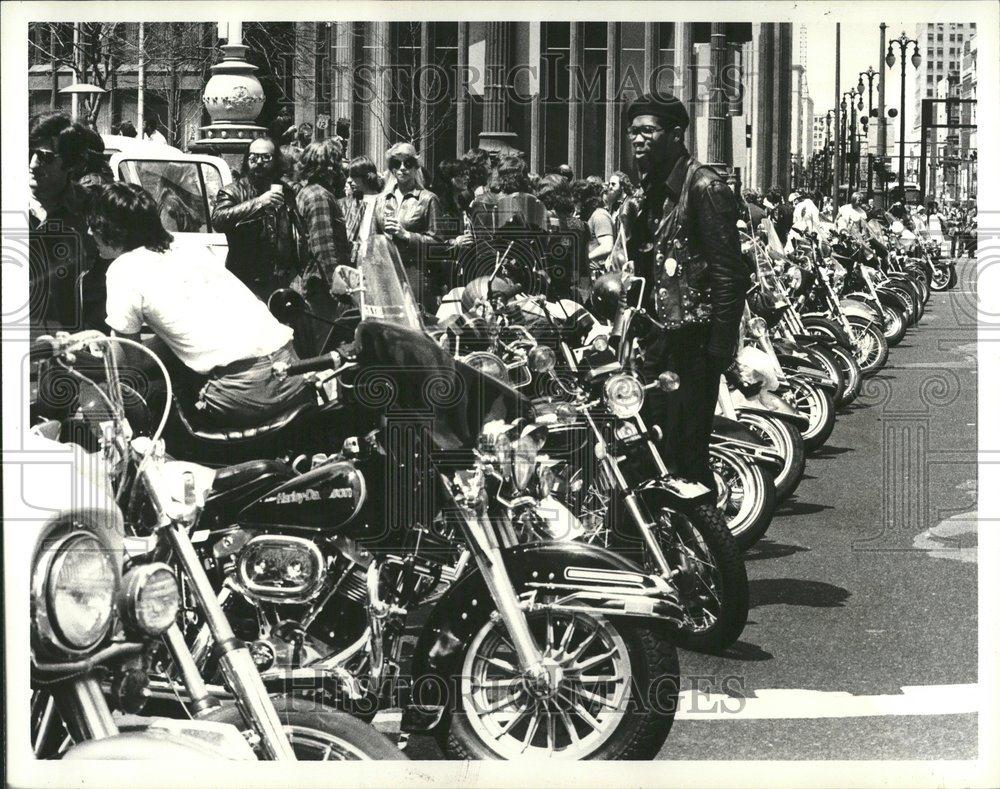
{"x":481,"y":538}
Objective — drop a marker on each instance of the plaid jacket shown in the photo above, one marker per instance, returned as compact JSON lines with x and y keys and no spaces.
{"x":325,"y":244}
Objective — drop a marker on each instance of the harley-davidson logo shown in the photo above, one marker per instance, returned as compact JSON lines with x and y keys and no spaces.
{"x":295,"y":497}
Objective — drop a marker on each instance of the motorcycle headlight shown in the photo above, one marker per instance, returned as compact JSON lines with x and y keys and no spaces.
{"x":757,"y":328}
{"x":794,"y":277}
{"x":74,"y":588}
{"x":150,"y":598}
{"x":525,"y":454}
{"x":488,"y":363}
{"x":542,"y":359}
{"x":624,"y":395}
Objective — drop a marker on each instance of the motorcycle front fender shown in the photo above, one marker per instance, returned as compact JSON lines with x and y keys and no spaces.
{"x":776,"y":408}
{"x":155,"y":745}
{"x":858,"y":309}
{"x":579,"y":573}
{"x":891,"y":299}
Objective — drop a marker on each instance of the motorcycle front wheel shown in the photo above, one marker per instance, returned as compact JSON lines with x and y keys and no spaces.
{"x":747,"y":498}
{"x":851,"y":372}
{"x":816,"y":405}
{"x":319,"y":733}
{"x":872,"y":351}
{"x":944,"y":277}
{"x":895,"y":325}
{"x":590,"y":713}
{"x":785,"y":439}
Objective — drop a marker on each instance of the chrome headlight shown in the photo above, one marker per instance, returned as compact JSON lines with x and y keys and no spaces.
{"x":280,"y":568}
{"x":73,"y":591}
{"x":794,"y":276}
{"x":488,"y":363}
{"x":757,"y":327}
{"x":150,"y":598}
{"x":624,"y":395}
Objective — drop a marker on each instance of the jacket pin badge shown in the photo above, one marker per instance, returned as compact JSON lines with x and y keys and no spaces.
{"x":670,"y":266}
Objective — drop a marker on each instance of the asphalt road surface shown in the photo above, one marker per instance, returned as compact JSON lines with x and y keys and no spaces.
{"x":862,"y":637}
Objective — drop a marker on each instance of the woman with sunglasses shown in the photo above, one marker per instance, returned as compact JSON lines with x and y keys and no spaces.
{"x":409,"y":214}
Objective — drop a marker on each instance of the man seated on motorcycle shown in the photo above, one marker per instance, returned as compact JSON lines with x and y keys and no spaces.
{"x":217,"y":339}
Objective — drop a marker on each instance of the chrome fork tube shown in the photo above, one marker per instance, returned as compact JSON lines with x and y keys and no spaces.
{"x":202,"y":702}
{"x":485,"y":550}
{"x":84,"y":709}
{"x":237,"y":665}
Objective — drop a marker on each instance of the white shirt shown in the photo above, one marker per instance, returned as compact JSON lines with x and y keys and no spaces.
{"x":155,"y":137}
{"x":806,"y":216}
{"x":204,"y":314}
{"x":850,"y":218}
{"x":367,"y":213}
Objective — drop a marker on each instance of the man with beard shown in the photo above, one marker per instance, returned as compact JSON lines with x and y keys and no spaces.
{"x":258,"y":215}
{"x":685,"y":242}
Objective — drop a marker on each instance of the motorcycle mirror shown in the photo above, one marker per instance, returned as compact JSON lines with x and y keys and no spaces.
{"x":286,"y":304}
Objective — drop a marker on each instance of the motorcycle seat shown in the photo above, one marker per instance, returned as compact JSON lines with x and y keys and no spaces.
{"x":229,"y":435}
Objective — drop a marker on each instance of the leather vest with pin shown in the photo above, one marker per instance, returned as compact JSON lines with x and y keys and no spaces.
{"x":681,"y":294}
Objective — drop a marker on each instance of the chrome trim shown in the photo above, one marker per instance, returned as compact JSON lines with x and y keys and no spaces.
{"x":307,"y":590}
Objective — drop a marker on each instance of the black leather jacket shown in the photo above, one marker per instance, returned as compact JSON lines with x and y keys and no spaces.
{"x":263,"y":244}
{"x":717,"y":298}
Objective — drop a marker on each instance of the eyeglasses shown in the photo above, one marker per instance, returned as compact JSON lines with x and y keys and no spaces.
{"x":44,"y":156}
{"x":644,"y":131}
{"x":408,"y":162}
{"x":259,"y":157}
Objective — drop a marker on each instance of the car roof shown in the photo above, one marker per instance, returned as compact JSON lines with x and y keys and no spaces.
{"x":132,"y":146}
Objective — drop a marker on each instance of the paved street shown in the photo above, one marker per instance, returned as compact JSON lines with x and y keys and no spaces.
{"x":862,"y":636}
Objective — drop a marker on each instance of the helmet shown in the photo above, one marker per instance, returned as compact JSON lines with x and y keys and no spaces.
{"x":606,"y":295}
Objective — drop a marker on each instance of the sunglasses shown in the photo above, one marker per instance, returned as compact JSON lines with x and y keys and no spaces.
{"x":44,"y":156}
{"x":408,"y":162}
{"x":260,"y":157}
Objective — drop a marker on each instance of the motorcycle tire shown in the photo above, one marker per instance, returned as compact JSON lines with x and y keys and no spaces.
{"x":895,"y":325}
{"x":703,"y":531}
{"x":816,"y":404}
{"x":908,"y":296}
{"x":638,"y":728}
{"x":319,"y":733}
{"x":823,"y":358}
{"x":944,"y":278}
{"x":824,"y":327}
{"x":749,"y":498}
{"x":787,"y":440}
{"x":873,"y":349}
{"x":851,"y":372}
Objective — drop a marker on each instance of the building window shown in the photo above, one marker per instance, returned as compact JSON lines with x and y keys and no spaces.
{"x":594,"y":86}
{"x":555,"y":111}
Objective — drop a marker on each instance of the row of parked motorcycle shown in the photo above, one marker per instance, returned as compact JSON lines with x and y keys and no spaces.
{"x":469,"y":519}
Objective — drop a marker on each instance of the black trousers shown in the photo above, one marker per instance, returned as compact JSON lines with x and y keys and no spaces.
{"x":684,"y":415}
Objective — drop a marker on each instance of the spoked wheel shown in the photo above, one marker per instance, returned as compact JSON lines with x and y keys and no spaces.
{"x":787,"y":440}
{"x":944,"y":277}
{"x":851,"y":372}
{"x":319,"y":733}
{"x":582,"y":708}
{"x":825,"y":359}
{"x":747,"y":496}
{"x":817,"y":406}
{"x":895,"y":326}
{"x":872,"y":350}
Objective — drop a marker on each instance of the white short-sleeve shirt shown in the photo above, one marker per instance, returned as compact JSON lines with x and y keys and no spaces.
{"x":204,"y":314}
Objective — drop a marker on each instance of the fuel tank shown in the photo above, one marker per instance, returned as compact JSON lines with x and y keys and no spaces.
{"x":328,"y":497}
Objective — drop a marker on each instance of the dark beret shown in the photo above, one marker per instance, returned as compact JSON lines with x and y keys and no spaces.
{"x":665,"y":106}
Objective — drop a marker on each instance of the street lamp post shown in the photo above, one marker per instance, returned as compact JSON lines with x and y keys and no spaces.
{"x":873,"y":112}
{"x":828,"y":150}
{"x":903,"y":42}
{"x":852,"y":142}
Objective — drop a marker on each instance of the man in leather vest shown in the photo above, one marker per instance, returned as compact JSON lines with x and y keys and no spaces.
{"x":260,"y":222}
{"x":685,"y":242}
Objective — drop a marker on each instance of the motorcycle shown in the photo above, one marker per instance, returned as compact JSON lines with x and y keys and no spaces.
{"x":163,"y":503}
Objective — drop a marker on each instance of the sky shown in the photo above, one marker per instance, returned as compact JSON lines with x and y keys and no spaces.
{"x":859,"y":49}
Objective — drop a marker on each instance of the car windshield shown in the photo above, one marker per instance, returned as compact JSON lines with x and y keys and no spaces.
{"x":387,"y":295}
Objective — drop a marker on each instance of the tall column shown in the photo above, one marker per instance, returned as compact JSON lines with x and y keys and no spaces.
{"x":537,"y":133}
{"x":685,"y":78}
{"x":379,"y":119}
{"x":718,"y":116}
{"x":462,"y":91}
{"x":781,"y":150}
{"x":342,"y":75}
{"x":495,"y":136}
{"x":650,"y":54}
{"x":612,"y":111}
{"x":426,"y":141}
{"x":574,"y":148}
{"x":764,"y":115}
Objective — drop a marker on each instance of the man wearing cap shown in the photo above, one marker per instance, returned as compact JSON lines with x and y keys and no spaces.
{"x":685,"y":242}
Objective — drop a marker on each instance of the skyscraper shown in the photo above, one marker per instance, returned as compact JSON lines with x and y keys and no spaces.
{"x":941,"y":54}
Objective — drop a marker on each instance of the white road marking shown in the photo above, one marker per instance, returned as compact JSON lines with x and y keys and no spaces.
{"x":948,"y":539}
{"x":799,"y":704}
